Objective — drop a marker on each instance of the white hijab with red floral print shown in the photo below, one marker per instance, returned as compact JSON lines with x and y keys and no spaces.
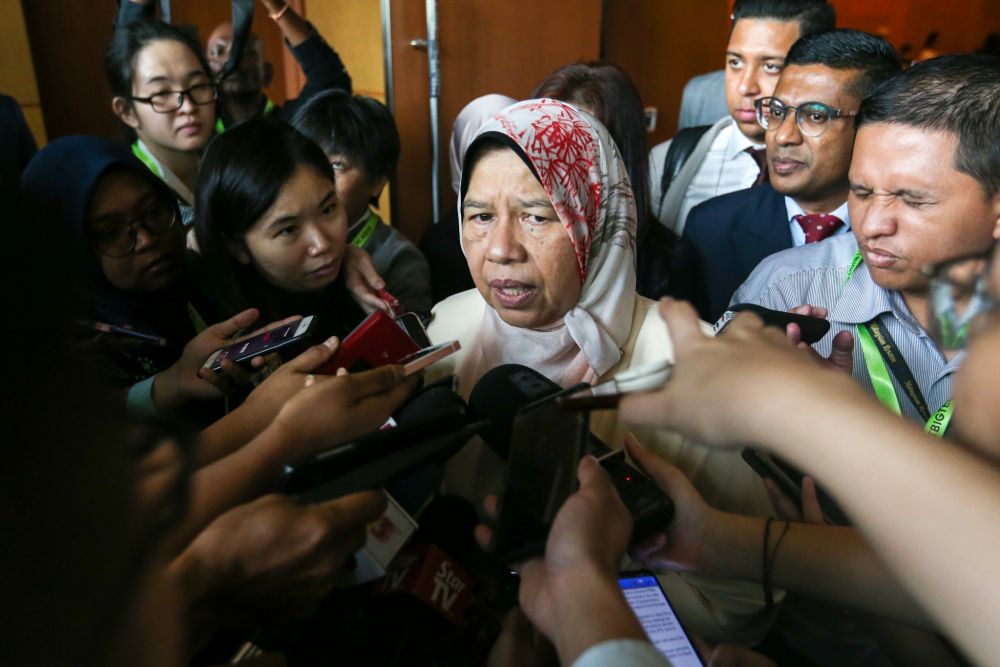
{"x":580,"y":168}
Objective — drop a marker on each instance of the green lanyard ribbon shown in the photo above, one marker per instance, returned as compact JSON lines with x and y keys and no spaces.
{"x":365,"y":233}
{"x":146,"y":159}
{"x":875,"y":354}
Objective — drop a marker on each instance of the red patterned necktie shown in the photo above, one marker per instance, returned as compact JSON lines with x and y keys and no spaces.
{"x":818,"y":226}
{"x":759,"y":156}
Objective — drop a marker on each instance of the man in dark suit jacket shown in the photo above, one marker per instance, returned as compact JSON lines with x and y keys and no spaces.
{"x":808,"y":153}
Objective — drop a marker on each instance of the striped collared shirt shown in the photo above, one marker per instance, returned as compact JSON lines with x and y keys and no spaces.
{"x":816,"y":274}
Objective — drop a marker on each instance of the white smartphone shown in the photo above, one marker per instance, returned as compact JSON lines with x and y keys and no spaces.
{"x":650,"y":604}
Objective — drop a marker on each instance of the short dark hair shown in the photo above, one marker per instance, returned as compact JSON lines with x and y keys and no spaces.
{"x":360,"y":127}
{"x":873,"y":57}
{"x":956,"y":94}
{"x":240,"y":177}
{"x":812,"y":15}
{"x":609,"y":93}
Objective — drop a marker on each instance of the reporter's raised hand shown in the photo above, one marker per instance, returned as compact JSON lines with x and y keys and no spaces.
{"x":275,"y":556}
{"x":729,"y":390}
{"x":684,"y":544}
{"x":186,"y":380}
{"x":333,"y":409}
{"x":266,"y":400}
{"x":363,"y":280}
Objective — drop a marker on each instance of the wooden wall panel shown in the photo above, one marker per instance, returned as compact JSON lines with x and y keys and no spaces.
{"x":68,"y":39}
{"x":354,"y":29}
{"x":962,"y":25}
{"x":662,"y":45}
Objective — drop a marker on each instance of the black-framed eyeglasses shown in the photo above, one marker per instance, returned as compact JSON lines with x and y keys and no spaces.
{"x":172,"y":100}
{"x":812,"y":117}
{"x":120,"y":240}
{"x":960,"y":298}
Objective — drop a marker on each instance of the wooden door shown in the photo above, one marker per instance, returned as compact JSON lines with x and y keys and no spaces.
{"x":486,"y":47}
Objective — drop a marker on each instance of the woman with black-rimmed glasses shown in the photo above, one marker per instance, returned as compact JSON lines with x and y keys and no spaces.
{"x":164,"y":94}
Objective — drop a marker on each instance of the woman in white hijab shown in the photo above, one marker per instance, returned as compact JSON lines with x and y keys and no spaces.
{"x":547,"y":222}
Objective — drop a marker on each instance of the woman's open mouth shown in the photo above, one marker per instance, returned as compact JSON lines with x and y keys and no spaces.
{"x":512,"y":293}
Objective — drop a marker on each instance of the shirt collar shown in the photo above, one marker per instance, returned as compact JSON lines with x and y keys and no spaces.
{"x":794,"y":209}
{"x":738,"y":142}
{"x":862,"y":299}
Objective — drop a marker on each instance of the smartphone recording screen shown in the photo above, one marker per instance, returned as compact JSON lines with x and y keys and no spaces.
{"x":657,"y":617}
{"x":546,"y":446}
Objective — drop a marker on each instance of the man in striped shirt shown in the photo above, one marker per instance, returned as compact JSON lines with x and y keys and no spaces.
{"x":924,"y":188}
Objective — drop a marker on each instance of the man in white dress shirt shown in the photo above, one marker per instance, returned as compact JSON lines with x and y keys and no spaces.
{"x":722,"y":161}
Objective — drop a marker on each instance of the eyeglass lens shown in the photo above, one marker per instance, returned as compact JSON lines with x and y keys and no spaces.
{"x":120,"y":240}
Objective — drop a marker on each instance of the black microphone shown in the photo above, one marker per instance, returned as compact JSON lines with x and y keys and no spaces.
{"x":504,"y":390}
{"x":431,"y":427}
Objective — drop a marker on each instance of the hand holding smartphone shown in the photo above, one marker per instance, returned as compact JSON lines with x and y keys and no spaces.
{"x":288,"y":337}
{"x":377,"y":341}
{"x":652,"y":608}
{"x":812,"y":328}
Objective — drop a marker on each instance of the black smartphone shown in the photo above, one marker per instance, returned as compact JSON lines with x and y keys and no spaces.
{"x":545,"y":449}
{"x":812,"y":328}
{"x":294,"y":335}
{"x":789,"y":480}
{"x":414,"y":327}
{"x":651,"y":606}
{"x":377,"y":459}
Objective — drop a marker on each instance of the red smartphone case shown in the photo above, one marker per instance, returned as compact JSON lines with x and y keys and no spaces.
{"x":378,"y":341}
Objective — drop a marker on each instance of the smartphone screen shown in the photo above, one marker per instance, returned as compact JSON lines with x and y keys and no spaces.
{"x":262,"y":343}
{"x":650,"y":604}
{"x":545,"y":449}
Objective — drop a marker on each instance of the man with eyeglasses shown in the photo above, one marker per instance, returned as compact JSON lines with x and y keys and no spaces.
{"x":809,"y":133}
{"x":704,"y":162}
{"x":924,"y":188}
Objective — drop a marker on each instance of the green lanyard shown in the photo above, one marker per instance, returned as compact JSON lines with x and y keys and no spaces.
{"x":146,"y":159}
{"x":365,"y":233}
{"x":881,"y":377}
{"x":220,"y":127}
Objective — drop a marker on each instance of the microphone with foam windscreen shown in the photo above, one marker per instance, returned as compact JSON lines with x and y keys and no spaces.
{"x":501,"y":393}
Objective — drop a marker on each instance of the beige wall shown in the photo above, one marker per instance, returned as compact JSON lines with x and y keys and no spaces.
{"x":17,"y":75}
{"x":354,"y":29}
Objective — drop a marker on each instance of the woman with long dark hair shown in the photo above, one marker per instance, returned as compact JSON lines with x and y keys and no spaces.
{"x":270,"y":228}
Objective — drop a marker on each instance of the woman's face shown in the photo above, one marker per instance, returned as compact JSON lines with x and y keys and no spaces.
{"x":298,"y":244}
{"x":120,"y":200}
{"x":161,"y":66}
{"x":519,"y":253}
